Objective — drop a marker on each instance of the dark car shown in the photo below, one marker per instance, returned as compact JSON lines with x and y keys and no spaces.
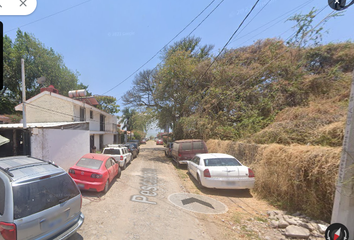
{"x":135,"y":145}
{"x":168,"y":149}
{"x":143,"y":141}
{"x":185,"y":150}
{"x":132,"y":148}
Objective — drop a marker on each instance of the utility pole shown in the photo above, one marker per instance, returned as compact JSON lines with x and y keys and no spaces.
{"x":23,"y":106}
{"x":343,"y":207}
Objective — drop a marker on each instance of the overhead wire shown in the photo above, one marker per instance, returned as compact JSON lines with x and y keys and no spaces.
{"x":56,"y":13}
{"x":221,"y":51}
{"x":278,"y":56}
{"x":186,"y":36}
{"x":168,"y":43}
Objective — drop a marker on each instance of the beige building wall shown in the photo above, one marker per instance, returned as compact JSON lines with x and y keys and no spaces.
{"x":49,"y":109}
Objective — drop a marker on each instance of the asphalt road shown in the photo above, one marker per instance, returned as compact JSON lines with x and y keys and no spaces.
{"x":137,"y":206}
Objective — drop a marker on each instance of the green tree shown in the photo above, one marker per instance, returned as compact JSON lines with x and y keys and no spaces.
{"x":107,"y":104}
{"x":127,"y":119}
{"x":39,"y":61}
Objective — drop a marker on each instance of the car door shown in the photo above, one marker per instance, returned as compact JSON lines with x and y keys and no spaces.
{"x":114,"y":167}
{"x":194,"y":166}
{"x":109,"y":168}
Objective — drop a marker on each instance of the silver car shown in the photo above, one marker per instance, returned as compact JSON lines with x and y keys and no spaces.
{"x":38,"y":200}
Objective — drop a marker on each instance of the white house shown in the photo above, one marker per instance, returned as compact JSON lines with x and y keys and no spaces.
{"x":51,"y":107}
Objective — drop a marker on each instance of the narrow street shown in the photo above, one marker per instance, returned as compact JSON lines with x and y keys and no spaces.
{"x":126,"y":213}
{"x":142,"y":205}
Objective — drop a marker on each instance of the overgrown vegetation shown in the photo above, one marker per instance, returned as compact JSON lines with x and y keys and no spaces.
{"x":269,"y":92}
{"x":294,"y":178}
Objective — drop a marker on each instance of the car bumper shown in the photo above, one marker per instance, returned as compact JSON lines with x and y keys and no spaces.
{"x":90,"y":186}
{"x":222,"y":183}
{"x":72,"y":230}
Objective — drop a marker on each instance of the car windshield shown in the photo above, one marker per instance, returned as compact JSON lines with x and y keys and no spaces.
{"x":37,"y":196}
{"x":111,"y":151}
{"x":227,"y":162}
{"x":89,"y":163}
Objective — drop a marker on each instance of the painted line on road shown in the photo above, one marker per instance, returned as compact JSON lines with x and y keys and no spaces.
{"x":148,"y":186}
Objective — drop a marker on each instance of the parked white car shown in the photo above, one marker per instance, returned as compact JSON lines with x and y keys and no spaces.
{"x":223,"y":171}
{"x":120,"y":154}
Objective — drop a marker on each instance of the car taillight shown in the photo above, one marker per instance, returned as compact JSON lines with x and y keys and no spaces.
{"x":179,"y":155}
{"x":71,"y":171}
{"x":8,"y":231}
{"x":207,"y":173}
{"x":250,"y":173}
{"x":94,"y":175}
{"x":121,"y":157}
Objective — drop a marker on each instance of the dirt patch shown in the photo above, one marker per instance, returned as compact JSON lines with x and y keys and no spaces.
{"x":245,"y":219}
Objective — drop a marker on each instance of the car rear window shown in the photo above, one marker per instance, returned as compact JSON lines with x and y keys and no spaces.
{"x":89,"y":163}
{"x":112,"y":151}
{"x":198,"y":145}
{"x":40,"y":195}
{"x":227,"y":162}
{"x":2,"y":196}
{"x":186,"y":146}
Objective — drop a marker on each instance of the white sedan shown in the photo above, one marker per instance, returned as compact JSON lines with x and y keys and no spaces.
{"x":218,"y":170}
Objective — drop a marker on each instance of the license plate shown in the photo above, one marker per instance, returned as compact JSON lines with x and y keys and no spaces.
{"x":231,"y":183}
{"x":54,"y":222}
{"x":81,"y":185}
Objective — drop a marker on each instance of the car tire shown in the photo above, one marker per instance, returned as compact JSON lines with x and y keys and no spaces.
{"x":106,"y":187}
{"x":119,"y":173}
{"x":124,"y":165}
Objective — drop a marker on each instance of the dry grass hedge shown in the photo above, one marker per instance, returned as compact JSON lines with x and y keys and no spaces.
{"x":295,"y":178}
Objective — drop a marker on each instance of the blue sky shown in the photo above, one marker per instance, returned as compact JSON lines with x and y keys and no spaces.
{"x":106,"y":41}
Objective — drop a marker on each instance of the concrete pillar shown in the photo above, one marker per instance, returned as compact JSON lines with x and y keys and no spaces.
{"x":343,"y":207}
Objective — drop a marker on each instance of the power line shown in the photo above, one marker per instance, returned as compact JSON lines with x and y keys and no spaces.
{"x":48,"y":16}
{"x":166,"y":45}
{"x":281,"y":54}
{"x":279,"y":17}
{"x":215,"y":59}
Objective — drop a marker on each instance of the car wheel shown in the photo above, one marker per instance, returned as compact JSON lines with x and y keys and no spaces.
{"x":119,"y":173}
{"x":125,"y":165}
{"x":106,"y":186}
{"x":200,"y":182}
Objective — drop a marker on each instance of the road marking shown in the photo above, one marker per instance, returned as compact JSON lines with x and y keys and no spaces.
{"x":192,"y":200}
{"x":197,"y":203}
{"x":148,"y":186}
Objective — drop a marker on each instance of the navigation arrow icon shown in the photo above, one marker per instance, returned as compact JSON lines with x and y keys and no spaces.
{"x":192,"y":200}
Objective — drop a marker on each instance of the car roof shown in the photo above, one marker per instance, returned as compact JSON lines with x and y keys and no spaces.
{"x":214,"y":155}
{"x":96,"y":156}
{"x":25,"y":168}
{"x":188,"y":140}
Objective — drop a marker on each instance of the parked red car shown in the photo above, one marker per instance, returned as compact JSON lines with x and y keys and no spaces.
{"x":95,"y":172}
{"x":159,"y":142}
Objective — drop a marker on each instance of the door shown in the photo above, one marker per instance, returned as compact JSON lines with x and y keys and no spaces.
{"x":109,"y":168}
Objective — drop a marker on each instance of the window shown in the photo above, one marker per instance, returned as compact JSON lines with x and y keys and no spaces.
{"x":89,"y":163}
{"x":91,"y":114}
{"x":221,"y":162}
{"x":108,"y":163}
{"x":198,"y":145}
{"x":2,"y":196}
{"x":38,"y":196}
{"x":187,"y":146}
{"x":82,"y":114}
{"x":112,"y":151}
